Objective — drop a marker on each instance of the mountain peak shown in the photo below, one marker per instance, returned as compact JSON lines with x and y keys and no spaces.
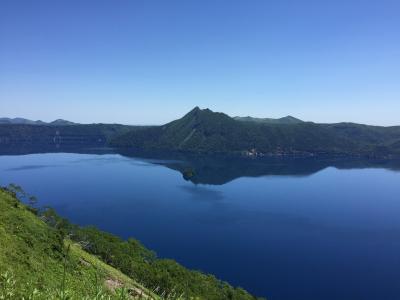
{"x":200,"y":118}
{"x":205,"y":114}
{"x":62,"y":122}
{"x":291,"y":119}
{"x":197,"y":111}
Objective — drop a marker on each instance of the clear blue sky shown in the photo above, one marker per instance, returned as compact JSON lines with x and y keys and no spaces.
{"x":148,"y":62}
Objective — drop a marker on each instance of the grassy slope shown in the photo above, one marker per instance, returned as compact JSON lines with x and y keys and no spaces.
{"x":44,"y":256}
{"x":34,"y":254}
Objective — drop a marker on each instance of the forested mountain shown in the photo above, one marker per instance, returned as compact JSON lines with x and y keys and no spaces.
{"x":207,"y":131}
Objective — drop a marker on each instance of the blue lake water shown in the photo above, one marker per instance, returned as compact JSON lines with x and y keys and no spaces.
{"x":280,"y":229}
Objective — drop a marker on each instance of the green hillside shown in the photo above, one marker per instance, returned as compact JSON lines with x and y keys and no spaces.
{"x":37,"y":263}
{"x":43,"y":256}
{"x":210,"y":132}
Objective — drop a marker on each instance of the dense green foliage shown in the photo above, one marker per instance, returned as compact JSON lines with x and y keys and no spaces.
{"x":37,"y":262}
{"x":141,"y":264}
{"x":207,"y":131}
{"x":33,"y":249}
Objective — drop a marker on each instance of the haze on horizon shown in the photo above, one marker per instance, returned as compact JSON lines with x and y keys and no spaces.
{"x":149,"y":62}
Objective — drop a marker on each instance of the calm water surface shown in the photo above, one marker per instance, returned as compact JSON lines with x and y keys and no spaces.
{"x":304,"y":230}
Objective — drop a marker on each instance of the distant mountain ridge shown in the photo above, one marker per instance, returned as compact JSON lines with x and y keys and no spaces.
{"x":31,"y":122}
{"x":62,"y":122}
{"x":284,"y":120}
{"x":205,"y":131}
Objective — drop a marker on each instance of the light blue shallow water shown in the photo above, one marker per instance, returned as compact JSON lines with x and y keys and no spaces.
{"x":332,"y":234}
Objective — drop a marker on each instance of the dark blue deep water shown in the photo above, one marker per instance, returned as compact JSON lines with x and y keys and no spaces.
{"x":284,"y":229}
